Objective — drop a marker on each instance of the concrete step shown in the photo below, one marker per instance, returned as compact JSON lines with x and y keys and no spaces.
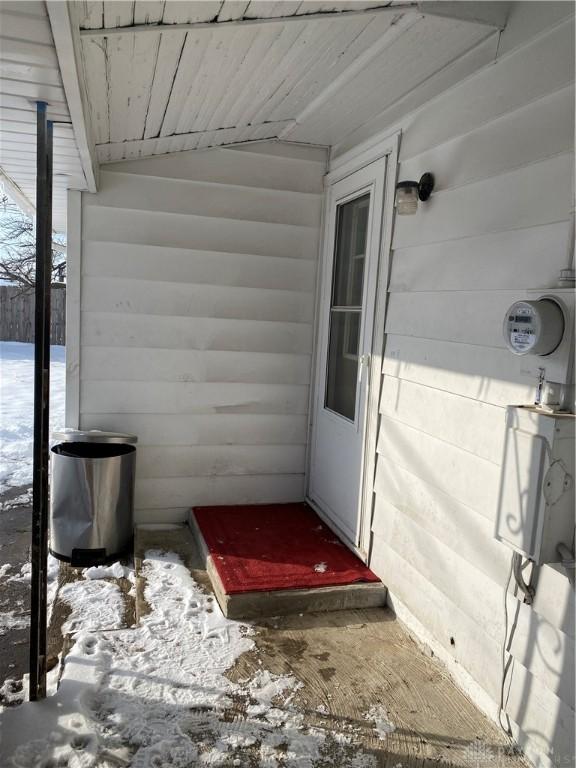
{"x":258,"y":605}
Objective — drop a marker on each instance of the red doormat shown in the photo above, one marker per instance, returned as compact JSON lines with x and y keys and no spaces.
{"x":276,"y":546}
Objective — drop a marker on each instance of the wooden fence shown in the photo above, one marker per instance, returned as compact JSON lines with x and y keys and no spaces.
{"x":17,"y":314}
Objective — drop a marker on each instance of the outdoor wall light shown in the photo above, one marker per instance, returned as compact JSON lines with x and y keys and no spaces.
{"x":409,"y":192}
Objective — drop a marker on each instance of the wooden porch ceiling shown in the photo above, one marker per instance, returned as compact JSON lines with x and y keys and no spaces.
{"x":313,"y":80}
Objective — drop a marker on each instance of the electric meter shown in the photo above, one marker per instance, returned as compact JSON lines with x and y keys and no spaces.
{"x":534,"y":327}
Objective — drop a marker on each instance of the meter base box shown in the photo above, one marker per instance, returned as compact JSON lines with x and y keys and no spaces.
{"x":536,"y":499}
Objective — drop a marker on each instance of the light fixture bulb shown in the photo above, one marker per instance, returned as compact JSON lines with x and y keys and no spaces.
{"x":407,"y":198}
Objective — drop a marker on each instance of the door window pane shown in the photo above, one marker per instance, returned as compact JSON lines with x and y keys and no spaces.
{"x":346,"y":306}
{"x":343,"y":362}
{"x":350,"y":251}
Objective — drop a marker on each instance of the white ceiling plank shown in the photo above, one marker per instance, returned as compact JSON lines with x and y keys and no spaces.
{"x":119,"y":13}
{"x":228,"y":76}
{"x":95,"y":66}
{"x":299,"y":18}
{"x":479,"y":56}
{"x":311,"y":40}
{"x":348,"y":42}
{"x":329,"y":66}
{"x":246,"y":87}
{"x":145,"y":147}
{"x":425,"y":48}
{"x":132,"y":62}
{"x":169,"y":54}
{"x":309,"y":45}
{"x":211,"y":82}
{"x":262,"y":9}
{"x":67,"y":44}
{"x":148,"y":11}
{"x":90,"y":13}
{"x":213,"y":139}
{"x":255,"y":61}
{"x":311,"y":6}
{"x":180,"y":102}
{"x":226,"y":71}
{"x":354,"y":68}
{"x":491,"y":14}
{"x":233,"y":9}
{"x":177,"y":12}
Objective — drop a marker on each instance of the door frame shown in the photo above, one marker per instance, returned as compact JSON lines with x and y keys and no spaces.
{"x":350,"y":163}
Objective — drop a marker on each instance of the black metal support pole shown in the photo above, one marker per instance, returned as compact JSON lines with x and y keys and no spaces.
{"x":41,"y":404}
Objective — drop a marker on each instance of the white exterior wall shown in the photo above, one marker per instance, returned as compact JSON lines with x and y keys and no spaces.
{"x":501,"y":147}
{"x":197,"y":299}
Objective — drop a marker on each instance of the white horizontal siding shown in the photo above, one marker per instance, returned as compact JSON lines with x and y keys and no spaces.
{"x":182,"y":332}
{"x":221,"y":460}
{"x":501,"y":148}
{"x":526,"y":206}
{"x":288,"y":172}
{"x":137,"y":363}
{"x":175,"y":230}
{"x":202,"y":198}
{"x":140,"y":262}
{"x":154,"y":493}
{"x":214,"y":429}
{"x":488,"y":374}
{"x":470,"y":424}
{"x":182,"y":397}
{"x":148,"y":297}
{"x":483,"y":261}
{"x":544,"y":716}
{"x":198,"y":278}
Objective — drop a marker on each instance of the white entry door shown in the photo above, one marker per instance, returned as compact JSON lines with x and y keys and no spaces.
{"x":348,"y":296}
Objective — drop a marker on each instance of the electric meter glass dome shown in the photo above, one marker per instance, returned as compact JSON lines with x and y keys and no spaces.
{"x":534,"y":327}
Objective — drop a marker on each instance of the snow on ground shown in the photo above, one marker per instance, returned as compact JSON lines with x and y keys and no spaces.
{"x":382,"y":725}
{"x":105,"y":596}
{"x":17,"y":408}
{"x":24,"y":575}
{"x":157,"y":695}
{"x":10,"y":620}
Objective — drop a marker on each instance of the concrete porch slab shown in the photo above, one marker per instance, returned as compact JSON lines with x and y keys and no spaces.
{"x":284,"y":602}
{"x":363,"y":678}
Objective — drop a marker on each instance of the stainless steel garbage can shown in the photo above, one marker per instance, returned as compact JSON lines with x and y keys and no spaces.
{"x":91,"y":495}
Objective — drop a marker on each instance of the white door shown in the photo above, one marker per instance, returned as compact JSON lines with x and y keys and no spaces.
{"x":348,"y":295}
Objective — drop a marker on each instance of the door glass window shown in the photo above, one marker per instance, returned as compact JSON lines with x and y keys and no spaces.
{"x":346,"y":306}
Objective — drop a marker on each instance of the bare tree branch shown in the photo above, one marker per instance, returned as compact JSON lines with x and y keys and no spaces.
{"x":18,"y":247}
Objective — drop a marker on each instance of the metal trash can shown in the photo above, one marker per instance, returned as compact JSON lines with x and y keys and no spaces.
{"x":91,"y":496}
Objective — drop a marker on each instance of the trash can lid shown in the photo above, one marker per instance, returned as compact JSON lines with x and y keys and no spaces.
{"x":92,"y":436}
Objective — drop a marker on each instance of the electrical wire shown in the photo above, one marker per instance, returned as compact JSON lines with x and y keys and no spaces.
{"x":506,"y":728}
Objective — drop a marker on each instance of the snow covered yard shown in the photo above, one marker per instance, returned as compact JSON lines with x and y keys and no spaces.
{"x":17,"y":408}
{"x":16,"y":432}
